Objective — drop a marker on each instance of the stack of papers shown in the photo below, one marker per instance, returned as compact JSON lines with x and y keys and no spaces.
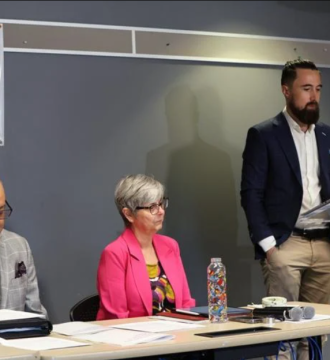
{"x":123,"y":334}
{"x":78,"y":328}
{"x":41,"y":343}
{"x":126,"y":334}
{"x":124,"y":337}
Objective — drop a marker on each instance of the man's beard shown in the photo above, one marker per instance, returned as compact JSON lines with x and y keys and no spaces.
{"x":306,"y":116}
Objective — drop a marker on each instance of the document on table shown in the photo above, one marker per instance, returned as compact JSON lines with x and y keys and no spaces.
{"x":17,"y":315}
{"x":77,"y":328}
{"x":124,"y":337}
{"x":316,"y":317}
{"x":157,"y":326}
{"x":41,"y":343}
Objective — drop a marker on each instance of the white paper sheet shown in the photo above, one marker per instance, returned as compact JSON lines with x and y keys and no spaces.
{"x":157,"y":326}
{"x":16,"y":315}
{"x":124,"y":337}
{"x":260,"y":306}
{"x":317,"y":317}
{"x":78,"y":327}
{"x":41,"y":343}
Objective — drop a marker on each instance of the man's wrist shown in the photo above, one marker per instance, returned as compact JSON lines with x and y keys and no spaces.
{"x":267,"y":243}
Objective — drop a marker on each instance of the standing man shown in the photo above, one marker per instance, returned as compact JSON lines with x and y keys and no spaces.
{"x":18,"y":279}
{"x":286,"y":171}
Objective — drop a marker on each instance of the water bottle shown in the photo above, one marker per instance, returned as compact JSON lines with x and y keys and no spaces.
{"x":217,"y":291}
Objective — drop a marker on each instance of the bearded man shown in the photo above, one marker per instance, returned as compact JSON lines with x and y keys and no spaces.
{"x":286,"y":172}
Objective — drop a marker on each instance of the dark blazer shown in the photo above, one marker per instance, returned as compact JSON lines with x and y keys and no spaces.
{"x":271,"y":186}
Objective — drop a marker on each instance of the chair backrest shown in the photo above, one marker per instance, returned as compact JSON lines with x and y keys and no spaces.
{"x":86,"y":309}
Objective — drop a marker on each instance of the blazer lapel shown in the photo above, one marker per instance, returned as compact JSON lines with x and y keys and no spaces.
{"x":323,"y":148}
{"x":285,"y":139}
{"x":3,"y":271}
{"x":167,"y":259}
{"x":139,"y":269}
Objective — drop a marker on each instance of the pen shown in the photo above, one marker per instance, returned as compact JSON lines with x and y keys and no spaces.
{"x":187,"y":312}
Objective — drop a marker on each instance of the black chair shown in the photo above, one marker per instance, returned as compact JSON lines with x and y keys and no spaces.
{"x":86,"y":309}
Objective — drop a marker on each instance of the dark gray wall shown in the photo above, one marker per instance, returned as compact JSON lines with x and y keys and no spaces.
{"x":75,"y":124}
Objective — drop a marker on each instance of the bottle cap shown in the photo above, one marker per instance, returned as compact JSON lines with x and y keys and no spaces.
{"x":215,"y":260}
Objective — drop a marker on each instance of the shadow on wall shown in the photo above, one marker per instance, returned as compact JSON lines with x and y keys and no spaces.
{"x":202,"y":213}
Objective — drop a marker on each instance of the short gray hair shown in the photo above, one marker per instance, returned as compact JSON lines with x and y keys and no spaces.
{"x":136,"y":190}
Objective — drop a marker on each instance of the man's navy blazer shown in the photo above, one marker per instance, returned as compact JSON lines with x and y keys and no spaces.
{"x":271,"y":186}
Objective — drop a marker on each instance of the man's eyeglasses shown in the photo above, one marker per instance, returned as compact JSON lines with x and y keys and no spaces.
{"x":154,"y":208}
{"x":5,"y":211}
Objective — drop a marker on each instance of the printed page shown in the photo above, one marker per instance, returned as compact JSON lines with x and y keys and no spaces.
{"x":124,"y":337}
{"x":78,"y":327}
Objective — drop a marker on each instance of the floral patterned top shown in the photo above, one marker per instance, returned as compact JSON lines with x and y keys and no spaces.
{"x":162,"y":293}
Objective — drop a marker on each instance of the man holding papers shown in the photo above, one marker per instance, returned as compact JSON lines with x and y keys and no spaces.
{"x":286,"y":172}
{"x":18,"y":280}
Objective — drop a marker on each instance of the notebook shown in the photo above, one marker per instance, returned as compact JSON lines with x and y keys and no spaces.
{"x":204,"y":311}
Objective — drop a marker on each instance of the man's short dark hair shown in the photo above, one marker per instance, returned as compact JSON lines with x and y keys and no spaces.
{"x":289,"y":73}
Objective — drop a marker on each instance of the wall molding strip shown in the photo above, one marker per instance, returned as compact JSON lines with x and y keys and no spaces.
{"x":40,"y":37}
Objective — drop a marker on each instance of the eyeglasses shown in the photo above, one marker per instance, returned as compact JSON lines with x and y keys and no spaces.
{"x":5,"y":211}
{"x":154,"y":208}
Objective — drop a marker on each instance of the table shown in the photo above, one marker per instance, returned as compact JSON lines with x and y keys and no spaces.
{"x":17,"y":354}
{"x":226,"y":347}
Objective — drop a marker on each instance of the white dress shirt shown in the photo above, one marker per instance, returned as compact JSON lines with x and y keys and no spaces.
{"x":306,"y":147}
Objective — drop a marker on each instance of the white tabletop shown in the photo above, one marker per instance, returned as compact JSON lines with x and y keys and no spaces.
{"x":17,"y":354}
{"x":186,"y":341}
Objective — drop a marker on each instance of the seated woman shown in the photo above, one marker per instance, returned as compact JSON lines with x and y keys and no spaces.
{"x":141,"y":273}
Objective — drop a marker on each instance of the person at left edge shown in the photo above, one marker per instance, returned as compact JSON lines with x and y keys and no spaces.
{"x":18,"y":279}
{"x":141,"y":272}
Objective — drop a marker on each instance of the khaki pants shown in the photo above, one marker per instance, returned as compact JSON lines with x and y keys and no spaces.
{"x":299,"y":270}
